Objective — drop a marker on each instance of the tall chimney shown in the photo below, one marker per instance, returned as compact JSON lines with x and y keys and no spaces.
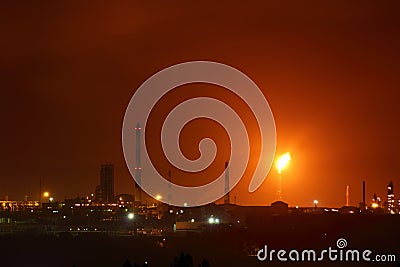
{"x":226,"y":199}
{"x":169,"y":186}
{"x":363,"y":202}
{"x":138,"y":166}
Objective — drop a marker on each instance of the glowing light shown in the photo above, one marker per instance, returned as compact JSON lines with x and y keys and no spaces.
{"x":283,"y":161}
{"x":315,"y":203}
{"x":158,"y":197}
{"x":51,"y":199}
{"x":46,"y":194}
{"x":213,"y":220}
{"x":131,"y":216}
{"x":374,"y":205}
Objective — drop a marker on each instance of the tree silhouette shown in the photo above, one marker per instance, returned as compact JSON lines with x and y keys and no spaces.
{"x":127,"y":264}
{"x":184,"y":260}
{"x":204,"y":263}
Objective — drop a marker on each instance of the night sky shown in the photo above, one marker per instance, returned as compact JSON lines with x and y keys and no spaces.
{"x":329,"y":70}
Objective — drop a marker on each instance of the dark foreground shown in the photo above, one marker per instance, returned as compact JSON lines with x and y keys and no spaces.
{"x":220,"y":246}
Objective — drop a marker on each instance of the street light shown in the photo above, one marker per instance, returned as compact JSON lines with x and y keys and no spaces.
{"x":281,"y":163}
{"x":316,"y":203}
{"x":212,"y":220}
{"x":46,"y":196}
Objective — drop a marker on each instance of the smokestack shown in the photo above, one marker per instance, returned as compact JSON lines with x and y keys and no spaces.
{"x":169,"y":186}
{"x":138,"y":166}
{"x":40,"y":192}
{"x":363,"y":202}
{"x":226,"y":199}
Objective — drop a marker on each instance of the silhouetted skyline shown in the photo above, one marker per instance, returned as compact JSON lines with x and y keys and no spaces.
{"x":328,"y":70}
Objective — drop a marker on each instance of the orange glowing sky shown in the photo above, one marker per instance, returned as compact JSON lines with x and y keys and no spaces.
{"x":329,"y":70}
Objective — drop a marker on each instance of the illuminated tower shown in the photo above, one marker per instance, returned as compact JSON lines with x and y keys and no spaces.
{"x":390,"y":198}
{"x":107,"y":183}
{"x":347,"y":195}
{"x":138,"y":166}
{"x":226,"y":199}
